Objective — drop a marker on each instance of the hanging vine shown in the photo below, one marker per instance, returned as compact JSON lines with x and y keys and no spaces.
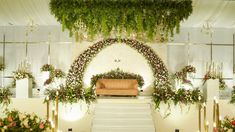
{"x":146,"y":20}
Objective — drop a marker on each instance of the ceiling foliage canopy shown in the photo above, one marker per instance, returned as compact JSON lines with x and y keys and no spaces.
{"x":146,"y":20}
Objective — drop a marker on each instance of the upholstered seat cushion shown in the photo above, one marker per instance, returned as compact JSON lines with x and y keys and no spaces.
{"x":116,"y":87}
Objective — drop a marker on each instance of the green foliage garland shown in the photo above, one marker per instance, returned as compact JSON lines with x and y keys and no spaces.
{"x":71,"y":94}
{"x":146,"y":19}
{"x":117,"y":74}
{"x":167,"y":95}
{"x":5,"y":95}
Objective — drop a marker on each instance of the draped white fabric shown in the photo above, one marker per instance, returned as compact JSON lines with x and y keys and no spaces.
{"x":220,"y":13}
{"x":20,"y":12}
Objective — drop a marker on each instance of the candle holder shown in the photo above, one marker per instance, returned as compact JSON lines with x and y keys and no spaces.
{"x":57,"y":111}
{"x":205,"y":122}
{"x":215,"y":69}
{"x":207,"y":126}
{"x":48,"y":107}
{"x":199,"y":117}
{"x":199,"y":114}
{"x":53,"y":120}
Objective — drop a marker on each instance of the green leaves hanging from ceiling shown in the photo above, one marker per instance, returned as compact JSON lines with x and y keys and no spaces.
{"x":147,"y":20}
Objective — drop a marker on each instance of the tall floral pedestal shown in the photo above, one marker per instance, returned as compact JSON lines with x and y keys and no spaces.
{"x":43,"y":77}
{"x":211,"y":89}
{"x":24,"y":88}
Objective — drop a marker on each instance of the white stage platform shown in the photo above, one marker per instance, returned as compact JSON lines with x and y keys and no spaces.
{"x":71,"y":117}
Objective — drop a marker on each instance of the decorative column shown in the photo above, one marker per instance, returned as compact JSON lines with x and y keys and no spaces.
{"x":24,"y":88}
{"x":211,"y":89}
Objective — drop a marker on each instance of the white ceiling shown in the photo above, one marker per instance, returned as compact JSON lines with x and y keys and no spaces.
{"x":219,"y":13}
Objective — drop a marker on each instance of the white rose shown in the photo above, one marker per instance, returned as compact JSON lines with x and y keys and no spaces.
{"x":5,"y":127}
{"x":32,"y":116}
{"x":37,"y":120}
{"x":25,"y":122}
{"x":21,"y":116}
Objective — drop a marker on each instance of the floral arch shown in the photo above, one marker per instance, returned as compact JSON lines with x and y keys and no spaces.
{"x":74,"y":81}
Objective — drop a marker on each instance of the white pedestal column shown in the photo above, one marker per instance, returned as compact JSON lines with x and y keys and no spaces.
{"x":233,"y":79}
{"x":24,"y":88}
{"x":211,"y":89}
{"x":43,"y":77}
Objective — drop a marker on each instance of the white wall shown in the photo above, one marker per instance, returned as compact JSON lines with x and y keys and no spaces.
{"x":64,"y":50}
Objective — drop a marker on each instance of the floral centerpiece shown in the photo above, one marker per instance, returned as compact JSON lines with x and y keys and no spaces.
{"x":209,"y":75}
{"x":55,"y":73}
{"x":5,"y":94}
{"x":2,"y":67}
{"x":58,"y":73}
{"x":47,"y":67}
{"x":228,"y":124}
{"x":21,"y":74}
{"x":182,"y":74}
{"x":15,"y":121}
{"x":189,"y":69}
{"x":117,"y":74}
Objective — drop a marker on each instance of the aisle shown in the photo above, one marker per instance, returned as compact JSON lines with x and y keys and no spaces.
{"x":125,"y":115}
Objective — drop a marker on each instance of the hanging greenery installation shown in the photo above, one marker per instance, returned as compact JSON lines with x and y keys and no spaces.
{"x":146,"y":20}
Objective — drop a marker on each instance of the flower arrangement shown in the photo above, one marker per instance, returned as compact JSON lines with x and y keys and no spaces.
{"x":76,"y":72}
{"x":209,"y":75}
{"x":55,"y":73}
{"x":2,"y":67}
{"x":47,"y":67}
{"x":189,"y":69}
{"x":21,"y":74}
{"x":117,"y":74}
{"x":167,"y":95}
{"x":233,"y":95}
{"x":71,"y":95}
{"x":15,"y":121}
{"x":145,"y":19}
{"x":182,"y":74}
{"x":5,"y":94}
{"x":59,"y":73}
{"x":228,"y":124}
